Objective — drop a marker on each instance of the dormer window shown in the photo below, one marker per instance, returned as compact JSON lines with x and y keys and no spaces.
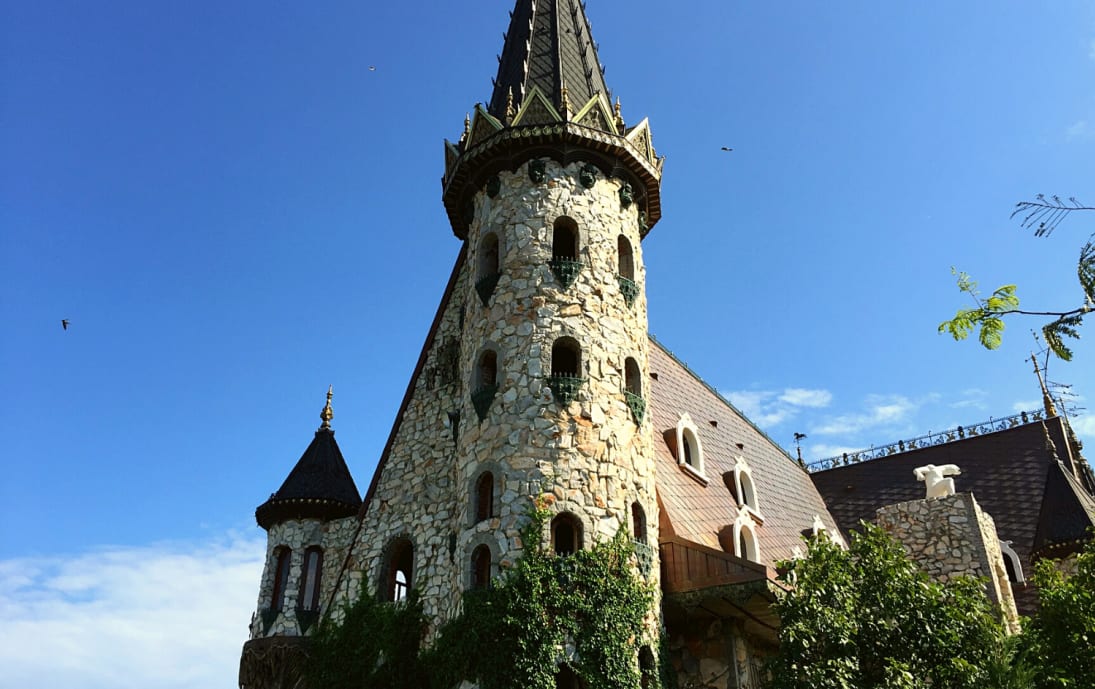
{"x":689,"y":448}
{"x":746,"y":545}
{"x":744,"y":490}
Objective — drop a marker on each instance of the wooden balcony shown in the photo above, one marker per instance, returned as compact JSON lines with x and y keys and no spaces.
{"x":688,"y":566}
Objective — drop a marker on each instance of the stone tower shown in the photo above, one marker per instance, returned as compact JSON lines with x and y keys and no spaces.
{"x":551,"y":193}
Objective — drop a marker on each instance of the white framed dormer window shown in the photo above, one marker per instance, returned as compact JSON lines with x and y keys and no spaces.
{"x":746,"y":545}
{"x":745,"y":490}
{"x":689,"y":449}
{"x":1011,"y":563}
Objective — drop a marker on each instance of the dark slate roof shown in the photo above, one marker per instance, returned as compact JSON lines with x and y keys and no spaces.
{"x":1014,"y":475}
{"x":319,"y":486}
{"x":548,"y":44}
{"x":786,"y":497}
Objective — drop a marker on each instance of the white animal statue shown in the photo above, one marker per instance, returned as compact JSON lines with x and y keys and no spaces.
{"x":934,"y":477}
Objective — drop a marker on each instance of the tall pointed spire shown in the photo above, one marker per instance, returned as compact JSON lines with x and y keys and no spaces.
{"x":1047,"y":400}
{"x":548,"y":44}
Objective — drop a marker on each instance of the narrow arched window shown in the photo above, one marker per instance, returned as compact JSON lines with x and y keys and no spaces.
{"x":486,"y":374}
{"x":566,"y":358}
{"x":484,"y":497}
{"x":633,"y":377}
{"x":566,"y":678}
{"x":566,"y":534}
{"x":638,"y":523}
{"x":310,"y":578}
{"x":689,"y":451}
{"x":480,"y":567}
{"x":281,"y":578}
{"x":647,"y":669}
{"x":626,"y":258}
{"x":748,"y":496}
{"x":747,"y":544}
{"x":399,"y":571}
{"x":564,"y":240}
{"x":488,"y":256}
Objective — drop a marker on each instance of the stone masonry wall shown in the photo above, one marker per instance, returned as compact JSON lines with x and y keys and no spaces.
{"x":716,"y":655}
{"x":333,"y":537}
{"x":949,"y":536}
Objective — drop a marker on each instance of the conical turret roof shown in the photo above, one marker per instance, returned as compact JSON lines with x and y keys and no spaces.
{"x":319,"y":486}
{"x":548,"y":45}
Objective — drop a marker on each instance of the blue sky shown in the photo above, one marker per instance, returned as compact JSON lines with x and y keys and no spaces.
{"x":235,"y":211}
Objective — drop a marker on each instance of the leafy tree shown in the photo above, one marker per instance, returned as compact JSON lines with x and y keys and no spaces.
{"x":869,"y":618}
{"x":1060,"y":640}
{"x":987,"y":316}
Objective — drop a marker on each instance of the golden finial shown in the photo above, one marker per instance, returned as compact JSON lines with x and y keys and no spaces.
{"x":467,"y":128}
{"x":1047,"y":401}
{"x":619,"y":117}
{"x":327,"y":414}
{"x":510,"y":112}
{"x":566,"y":101}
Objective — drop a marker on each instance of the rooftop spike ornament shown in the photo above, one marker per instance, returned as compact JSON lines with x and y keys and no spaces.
{"x":327,"y":414}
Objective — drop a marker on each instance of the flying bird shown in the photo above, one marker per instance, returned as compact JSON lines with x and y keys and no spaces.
{"x":64,"y":323}
{"x":727,"y":149}
{"x":372,"y":68}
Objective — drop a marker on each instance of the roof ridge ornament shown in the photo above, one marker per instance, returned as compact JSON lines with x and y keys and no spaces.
{"x":1047,"y":399}
{"x":327,"y":414}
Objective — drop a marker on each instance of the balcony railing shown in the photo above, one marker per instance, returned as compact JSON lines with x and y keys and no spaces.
{"x":637,"y":405}
{"x":485,"y":286}
{"x":564,"y":387}
{"x":482,"y":398}
{"x":629,"y":289}
{"x":566,"y":270}
{"x":929,"y":440}
{"x":688,"y":566}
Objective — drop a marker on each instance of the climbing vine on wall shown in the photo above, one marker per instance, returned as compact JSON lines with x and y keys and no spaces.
{"x":586,"y":609}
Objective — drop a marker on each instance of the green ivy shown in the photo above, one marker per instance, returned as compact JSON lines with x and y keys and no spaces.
{"x":509,"y":635}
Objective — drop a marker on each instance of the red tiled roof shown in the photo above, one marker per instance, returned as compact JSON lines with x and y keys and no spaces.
{"x":786,"y":497}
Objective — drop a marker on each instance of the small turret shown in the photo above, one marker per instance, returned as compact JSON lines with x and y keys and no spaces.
{"x":305,"y":521}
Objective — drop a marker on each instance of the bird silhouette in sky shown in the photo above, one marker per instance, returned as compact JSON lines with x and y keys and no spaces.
{"x":64,"y":323}
{"x":727,"y":149}
{"x":372,"y":68}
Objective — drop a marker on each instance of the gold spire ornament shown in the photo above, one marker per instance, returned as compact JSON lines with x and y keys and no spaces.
{"x":510,"y":111}
{"x":467,"y":129}
{"x":619,"y":117}
{"x":565,"y":101}
{"x":327,"y":414}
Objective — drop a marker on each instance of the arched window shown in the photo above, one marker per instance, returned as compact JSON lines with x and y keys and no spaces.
{"x":689,"y":448}
{"x":566,"y":534}
{"x":744,"y":491}
{"x":480,"y":567}
{"x":564,"y":240}
{"x":484,"y":496}
{"x":488,"y":256}
{"x":647,"y":669}
{"x":283,"y":557}
{"x":745,"y":541}
{"x":486,"y":371}
{"x":566,"y":678}
{"x":310,"y":579}
{"x":633,"y":377}
{"x":638,"y":523}
{"x":566,"y":358}
{"x":488,"y":269}
{"x":626,"y":258}
{"x":1012,"y":563}
{"x":398,"y":574}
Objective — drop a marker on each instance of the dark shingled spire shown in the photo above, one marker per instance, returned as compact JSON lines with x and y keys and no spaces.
{"x":548,"y":45}
{"x":319,"y":486}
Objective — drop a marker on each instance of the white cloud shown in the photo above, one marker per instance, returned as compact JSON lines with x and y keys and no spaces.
{"x":824,"y":451}
{"x":768,"y":408}
{"x":1079,"y":130}
{"x":800,"y":397}
{"x":1026,"y":405}
{"x":163,"y":616}
{"x":882,"y":411}
{"x":1085,"y":429}
{"x":971,"y":398}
